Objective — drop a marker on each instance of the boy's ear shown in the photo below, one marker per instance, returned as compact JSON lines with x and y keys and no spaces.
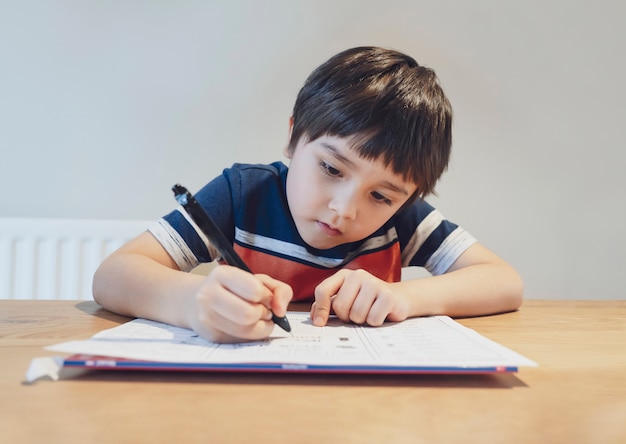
{"x":286,"y":149}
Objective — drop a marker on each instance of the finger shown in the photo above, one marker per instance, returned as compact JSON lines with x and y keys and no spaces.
{"x":228,"y":331}
{"x":242,"y":283}
{"x":348,"y":293}
{"x":380,"y":308}
{"x":236,"y":295}
{"x":222,"y":303}
{"x":224,"y":317}
{"x":282,"y":294}
{"x":361,"y":302}
{"x":320,"y":310}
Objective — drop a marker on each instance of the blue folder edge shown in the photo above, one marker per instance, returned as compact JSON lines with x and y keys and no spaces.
{"x":109,"y":363}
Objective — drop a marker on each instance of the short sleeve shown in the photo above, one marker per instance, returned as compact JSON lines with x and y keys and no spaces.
{"x":427,"y":239}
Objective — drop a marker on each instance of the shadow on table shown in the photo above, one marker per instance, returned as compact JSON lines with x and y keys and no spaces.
{"x":495,"y":381}
{"x":92,"y":308}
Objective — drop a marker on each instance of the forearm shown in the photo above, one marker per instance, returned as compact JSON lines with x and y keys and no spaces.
{"x":137,"y":286}
{"x":470,"y":291}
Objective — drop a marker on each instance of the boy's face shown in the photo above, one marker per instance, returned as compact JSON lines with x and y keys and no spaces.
{"x":336,"y":197}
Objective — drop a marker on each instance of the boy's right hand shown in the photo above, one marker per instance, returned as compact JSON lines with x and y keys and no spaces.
{"x":232,"y":305}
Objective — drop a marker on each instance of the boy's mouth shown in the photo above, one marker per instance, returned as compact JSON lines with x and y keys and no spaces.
{"x":328,"y":229}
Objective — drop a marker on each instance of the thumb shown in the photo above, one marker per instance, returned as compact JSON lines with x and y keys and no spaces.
{"x":319,"y":314}
{"x":281,"y":294}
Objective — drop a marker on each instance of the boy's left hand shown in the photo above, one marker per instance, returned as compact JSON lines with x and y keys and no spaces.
{"x":357,"y":296}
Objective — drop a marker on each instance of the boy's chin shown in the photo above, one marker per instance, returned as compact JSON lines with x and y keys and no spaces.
{"x":317,"y":245}
{"x":323,"y":244}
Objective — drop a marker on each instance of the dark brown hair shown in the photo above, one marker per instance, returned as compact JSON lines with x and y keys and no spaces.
{"x":393,"y":107}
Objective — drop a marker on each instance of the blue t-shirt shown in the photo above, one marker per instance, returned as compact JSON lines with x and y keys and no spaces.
{"x":249,"y":204}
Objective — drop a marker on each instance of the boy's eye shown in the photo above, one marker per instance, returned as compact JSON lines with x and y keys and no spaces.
{"x":329,"y":169}
{"x":380,"y":198}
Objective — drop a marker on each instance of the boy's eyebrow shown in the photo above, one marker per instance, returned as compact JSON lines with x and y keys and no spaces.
{"x":386,"y":184}
{"x":335,"y":152}
{"x":395,"y":188}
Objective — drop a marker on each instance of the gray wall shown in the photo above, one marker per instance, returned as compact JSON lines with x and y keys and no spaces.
{"x":105,"y":104}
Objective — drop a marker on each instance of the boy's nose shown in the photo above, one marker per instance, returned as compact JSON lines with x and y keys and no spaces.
{"x":344,"y":204}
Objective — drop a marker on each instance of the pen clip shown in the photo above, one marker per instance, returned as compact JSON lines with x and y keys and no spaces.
{"x":181,"y":194}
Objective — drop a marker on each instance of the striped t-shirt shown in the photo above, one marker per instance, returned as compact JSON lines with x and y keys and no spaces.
{"x":249,"y":204}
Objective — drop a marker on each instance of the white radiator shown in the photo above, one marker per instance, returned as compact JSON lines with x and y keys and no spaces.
{"x":56,"y":258}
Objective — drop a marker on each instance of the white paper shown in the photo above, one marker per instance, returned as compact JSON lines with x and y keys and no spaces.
{"x":431,"y":341}
{"x":46,"y":367}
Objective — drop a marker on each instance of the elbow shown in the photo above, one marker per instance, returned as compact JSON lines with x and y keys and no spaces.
{"x":515,"y":293}
{"x":99,"y":285}
{"x":96,"y":287}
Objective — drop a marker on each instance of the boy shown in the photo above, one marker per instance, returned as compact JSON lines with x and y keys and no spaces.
{"x":369,"y":137}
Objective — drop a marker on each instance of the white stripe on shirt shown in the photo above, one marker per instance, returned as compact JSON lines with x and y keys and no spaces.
{"x":423,"y":231}
{"x":449,"y":251}
{"x":174,"y":245}
{"x":298,"y":252}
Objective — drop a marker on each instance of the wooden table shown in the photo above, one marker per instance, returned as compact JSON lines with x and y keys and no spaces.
{"x":577,"y":394}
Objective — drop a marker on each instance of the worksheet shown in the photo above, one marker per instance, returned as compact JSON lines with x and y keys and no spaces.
{"x":436,"y":342}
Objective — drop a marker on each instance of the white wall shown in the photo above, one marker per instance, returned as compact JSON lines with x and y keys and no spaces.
{"x":105,"y":104}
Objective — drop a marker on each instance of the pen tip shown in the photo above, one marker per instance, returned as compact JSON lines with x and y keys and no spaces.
{"x":282,"y":323}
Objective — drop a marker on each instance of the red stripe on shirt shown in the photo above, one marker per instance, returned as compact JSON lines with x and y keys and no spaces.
{"x":384,"y":264}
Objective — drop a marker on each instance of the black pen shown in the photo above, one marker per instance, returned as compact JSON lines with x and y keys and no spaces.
{"x":217,"y":238}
